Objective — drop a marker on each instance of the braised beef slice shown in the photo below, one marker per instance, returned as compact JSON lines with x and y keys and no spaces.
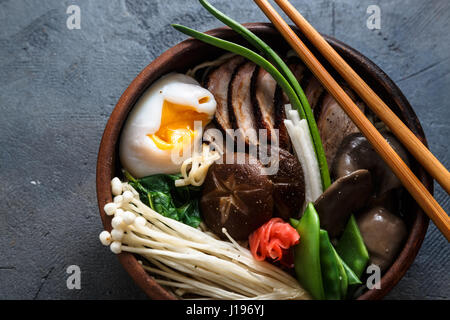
{"x":334,"y":125}
{"x":269,"y":109}
{"x":263,"y":97}
{"x":313,"y":92}
{"x":240,"y":103}
{"x":280,"y":116}
{"x":299,"y":70}
{"x":218,"y":83}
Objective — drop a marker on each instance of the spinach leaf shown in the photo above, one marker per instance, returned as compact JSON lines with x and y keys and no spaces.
{"x":181,"y":195}
{"x":190,"y":213}
{"x":160,"y":193}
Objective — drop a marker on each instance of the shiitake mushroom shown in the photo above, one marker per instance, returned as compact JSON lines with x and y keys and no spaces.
{"x":345,"y":196}
{"x":236,"y":197}
{"x":384,"y":234}
{"x":355,"y":152}
{"x":240,"y":198}
{"x":289,"y":186}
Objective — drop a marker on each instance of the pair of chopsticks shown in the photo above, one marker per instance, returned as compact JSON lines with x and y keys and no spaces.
{"x":398,"y":128}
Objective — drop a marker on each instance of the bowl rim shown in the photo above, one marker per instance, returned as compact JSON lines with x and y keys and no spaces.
{"x":105,"y":159}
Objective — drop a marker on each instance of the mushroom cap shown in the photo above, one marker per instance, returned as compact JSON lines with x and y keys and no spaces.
{"x":236,"y":197}
{"x":289,"y":186}
{"x":355,"y":152}
{"x":383,"y":234}
{"x":345,"y":196}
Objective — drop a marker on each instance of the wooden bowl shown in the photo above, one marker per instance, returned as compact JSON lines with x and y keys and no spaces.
{"x":192,"y":52}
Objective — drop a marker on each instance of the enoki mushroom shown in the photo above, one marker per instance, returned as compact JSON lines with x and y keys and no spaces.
{"x":188,"y":260}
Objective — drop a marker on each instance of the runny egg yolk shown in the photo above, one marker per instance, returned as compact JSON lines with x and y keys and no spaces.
{"x":177,"y":125}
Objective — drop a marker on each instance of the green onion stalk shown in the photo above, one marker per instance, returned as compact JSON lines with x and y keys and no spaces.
{"x":304,"y":111}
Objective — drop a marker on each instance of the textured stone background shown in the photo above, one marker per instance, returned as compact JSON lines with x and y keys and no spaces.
{"x":58,"y":87}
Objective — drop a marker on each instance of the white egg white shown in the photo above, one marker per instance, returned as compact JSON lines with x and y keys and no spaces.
{"x":138,"y":153}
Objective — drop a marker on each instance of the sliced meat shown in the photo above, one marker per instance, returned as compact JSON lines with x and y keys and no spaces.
{"x":299,"y":70}
{"x":240,"y":102}
{"x":269,"y":108}
{"x":313,"y":91}
{"x":334,"y":125}
{"x":280,"y":116}
{"x":263,"y":97}
{"x":217,"y":83}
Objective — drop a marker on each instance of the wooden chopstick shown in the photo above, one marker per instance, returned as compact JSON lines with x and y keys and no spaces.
{"x":375,"y":103}
{"x":400,"y":169}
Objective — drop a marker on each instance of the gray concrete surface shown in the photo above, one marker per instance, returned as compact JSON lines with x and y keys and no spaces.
{"x":58,"y":87}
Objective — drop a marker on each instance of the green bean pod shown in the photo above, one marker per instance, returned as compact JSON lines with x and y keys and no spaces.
{"x":343,"y":278}
{"x":331,"y":273}
{"x":352,"y":278}
{"x":307,"y":253}
{"x":328,"y":254}
{"x":294,"y":222}
{"x":351,"y":248}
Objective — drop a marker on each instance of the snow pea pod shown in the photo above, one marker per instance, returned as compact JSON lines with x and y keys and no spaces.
{"x":330,"y":268}
{"x":336,"y":274}
{"x":352,"y":278}
{"x":343,"y":278}
{"x":351,"y":248}
{"x":307,"y":253}
{"x":294,"y":222}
